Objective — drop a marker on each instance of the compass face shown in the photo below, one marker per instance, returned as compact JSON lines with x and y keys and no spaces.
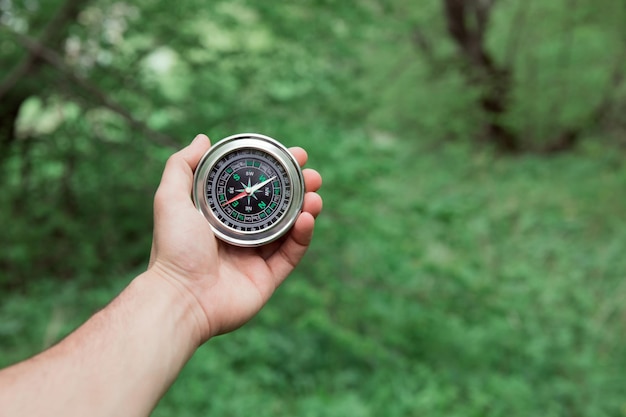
{"x":250,"y":189}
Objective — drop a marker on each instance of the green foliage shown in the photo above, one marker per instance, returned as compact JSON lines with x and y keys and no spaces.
{"x":564,"y":63}
{"x":442,"y":280}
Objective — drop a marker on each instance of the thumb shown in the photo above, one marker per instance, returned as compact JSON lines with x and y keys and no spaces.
{"x":177,"y":178}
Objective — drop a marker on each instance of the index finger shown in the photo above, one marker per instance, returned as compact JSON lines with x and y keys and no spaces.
{"x":300,"y":154}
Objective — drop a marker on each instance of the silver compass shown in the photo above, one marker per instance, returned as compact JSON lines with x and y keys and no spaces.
{"x":250,"y":189}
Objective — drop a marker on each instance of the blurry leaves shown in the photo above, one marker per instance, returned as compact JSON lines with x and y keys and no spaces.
{"x":443,"y":279}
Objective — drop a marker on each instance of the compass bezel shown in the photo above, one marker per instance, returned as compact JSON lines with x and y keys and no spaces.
{"x":274,"y":149}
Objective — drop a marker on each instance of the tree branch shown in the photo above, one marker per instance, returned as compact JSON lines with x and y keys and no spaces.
{"x":15,"y":88}
{"x":49,"y":56}
{"x":52,"y":35}
{"x":18,"y":72}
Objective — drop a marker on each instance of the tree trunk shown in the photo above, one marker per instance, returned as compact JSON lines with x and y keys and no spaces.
{"x":9,"y":110}
{"x":467,"y":22}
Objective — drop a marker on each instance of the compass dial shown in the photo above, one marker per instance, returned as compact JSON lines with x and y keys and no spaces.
{"x":250,"y":188}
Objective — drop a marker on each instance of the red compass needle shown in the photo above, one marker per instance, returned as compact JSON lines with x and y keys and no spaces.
{"x":235,"y":198}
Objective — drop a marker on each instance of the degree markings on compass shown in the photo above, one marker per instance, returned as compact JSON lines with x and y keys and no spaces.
{"x":264,"y":190}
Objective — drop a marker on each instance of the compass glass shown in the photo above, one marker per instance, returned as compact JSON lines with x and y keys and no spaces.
{"x":248,"y":190}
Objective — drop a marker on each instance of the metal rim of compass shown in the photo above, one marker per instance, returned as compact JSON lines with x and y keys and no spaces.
{"x":277,"y":151}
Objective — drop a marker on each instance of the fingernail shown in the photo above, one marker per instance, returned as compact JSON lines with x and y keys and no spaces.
{"x":199,"y":137}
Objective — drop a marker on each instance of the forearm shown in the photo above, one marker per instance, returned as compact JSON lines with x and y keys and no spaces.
{"x":119,"y":362}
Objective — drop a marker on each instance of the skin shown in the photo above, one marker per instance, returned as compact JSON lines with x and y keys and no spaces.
{"x":124,"y":358}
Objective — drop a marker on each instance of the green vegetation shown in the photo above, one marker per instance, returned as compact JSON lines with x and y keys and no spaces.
{"x":472,"y":285}
{"x":450,"y":275}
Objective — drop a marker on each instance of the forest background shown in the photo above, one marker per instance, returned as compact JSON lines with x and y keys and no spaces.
{"x":470,"y":257}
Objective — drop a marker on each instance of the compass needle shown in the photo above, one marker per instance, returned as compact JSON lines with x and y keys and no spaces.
{"x":235,"y":198}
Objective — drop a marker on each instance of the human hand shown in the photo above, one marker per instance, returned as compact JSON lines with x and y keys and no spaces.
{"x":226,"y":284}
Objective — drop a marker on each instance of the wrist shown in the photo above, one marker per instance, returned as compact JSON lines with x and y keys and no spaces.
{"x":181,"y":302}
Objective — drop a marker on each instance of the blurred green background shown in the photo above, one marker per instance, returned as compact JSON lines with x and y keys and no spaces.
{"x":471,"y":256}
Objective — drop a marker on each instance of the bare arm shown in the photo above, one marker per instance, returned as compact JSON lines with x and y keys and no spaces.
{"x":120,"y":362}
{"x":124,"y":358}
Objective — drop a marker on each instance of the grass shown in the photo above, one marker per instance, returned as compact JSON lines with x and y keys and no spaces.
{"x":442,"y":281}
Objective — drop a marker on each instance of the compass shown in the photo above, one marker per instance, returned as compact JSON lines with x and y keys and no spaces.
{"x":249,"y":188}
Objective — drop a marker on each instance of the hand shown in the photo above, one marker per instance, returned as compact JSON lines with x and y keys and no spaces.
{"x":227,"y":284}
